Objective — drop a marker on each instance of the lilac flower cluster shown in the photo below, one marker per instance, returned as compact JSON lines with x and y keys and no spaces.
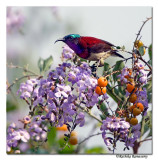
{"x":37,"y":129}
{"x":15,"y":135}
{"x":118,"y":126}
{"x":58,"y":97}
{"x":120,"y":129}
{"x":27,"y":89}
{"x":15,"y":19}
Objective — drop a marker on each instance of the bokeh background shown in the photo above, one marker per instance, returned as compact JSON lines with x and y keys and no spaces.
{"x":38,"y":28}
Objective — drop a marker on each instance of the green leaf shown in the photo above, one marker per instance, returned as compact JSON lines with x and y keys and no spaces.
{"x":11,"y":106}
{"x":103,"y":107}
{"x":141,"y":50}
{"x":150,"y":133}
{"x":147,"y":123}
{"x":148,"y":87}
{"x":51,"y":136}
{"x":106,"y":66}
{"x":118,"y":47}
{"x":150,"y":52}
{"x":47,"y":63}
{"x":95,"y":150}
{"x":66,"y":150}
{"x":121,"y":89}
{"x":40,"y":64}
{"x":102,"y":116}
{"x":118,"y":66}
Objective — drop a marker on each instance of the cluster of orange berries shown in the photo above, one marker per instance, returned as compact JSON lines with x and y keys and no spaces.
{"x":101,"y":87}
{"x":135,"y":110}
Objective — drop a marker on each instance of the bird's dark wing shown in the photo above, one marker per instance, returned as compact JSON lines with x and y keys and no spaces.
{"x":95,"y":45}
{"x":98,"y":48}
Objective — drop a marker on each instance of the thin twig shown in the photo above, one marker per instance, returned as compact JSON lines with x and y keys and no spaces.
{"x":145,"y":63}
{"x":23,"y":68}
{"x":89,"y":137}
{"x":145,"y":140}
{"x":141,"y":30}
{"x":9,"y":87}
{"x":89,"y":113}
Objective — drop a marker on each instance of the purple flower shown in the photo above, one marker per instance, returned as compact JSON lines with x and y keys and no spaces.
{"x":114,"y":124}
{"x":62,"y":90}
{"x":142,"y":97}
{"x":67,"y":53}
{"x":139,"y":65}
{"x":27,"y":88}
{"x":59,"y":73}
{"x":129,"y":142}
{"x":80,"y":119}
{"x":11,"y":141}
{"x":136,"y":131}
{"x":72,"y":77}
{"x":21,"y":134}
{"x":37,"y":129}
{"x":92,"y":101}
{"x":124,"y":73}
{"x":11,"y":128}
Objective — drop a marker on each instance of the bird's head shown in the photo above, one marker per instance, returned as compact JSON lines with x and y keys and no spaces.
{"x":69,"y":39}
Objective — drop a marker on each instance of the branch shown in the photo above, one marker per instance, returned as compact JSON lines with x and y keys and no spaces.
{"x":145,"y":63}
{"x":89,"y":113}
{"x":145,"y":140}
{"x":141,"y":30}
{"x":89,"y":137}
{"x":23,"y":68}
{"x":9,"y":87}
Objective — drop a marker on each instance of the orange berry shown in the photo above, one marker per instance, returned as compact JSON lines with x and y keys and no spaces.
{"x":102,"y":82}
{"x":73,"y":134}
{"x":131,"y":108}
{"x":144,"y":51}
{"x":134,"y":121}
{"x":140,"y":106}
{"x":133,"y":98}
{"x":129,"y":74}
{"x":138,"y":44}
{"x":127,"y":119}
{"x":136,"y":111}
{"x":100,"y":90}
{"x":130,"y":80}
{"x":131,"y":87}
{"x":73,"y":140}
{"x":62,"y":128}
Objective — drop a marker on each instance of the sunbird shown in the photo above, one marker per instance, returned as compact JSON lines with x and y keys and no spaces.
{"x":90,"y":48}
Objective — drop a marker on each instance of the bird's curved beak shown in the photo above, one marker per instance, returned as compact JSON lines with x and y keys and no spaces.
{"x":59,"y":40}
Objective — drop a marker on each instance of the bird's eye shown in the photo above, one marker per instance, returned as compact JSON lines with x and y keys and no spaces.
{"x":71,"y":37}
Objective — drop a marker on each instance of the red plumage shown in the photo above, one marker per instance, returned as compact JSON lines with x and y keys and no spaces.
{"x":91,"y":41}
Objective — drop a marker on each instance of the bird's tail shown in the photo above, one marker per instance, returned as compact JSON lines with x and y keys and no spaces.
{"x":115,"y":53}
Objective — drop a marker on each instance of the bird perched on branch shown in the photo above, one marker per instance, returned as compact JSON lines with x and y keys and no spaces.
{"x":90,"y":48}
